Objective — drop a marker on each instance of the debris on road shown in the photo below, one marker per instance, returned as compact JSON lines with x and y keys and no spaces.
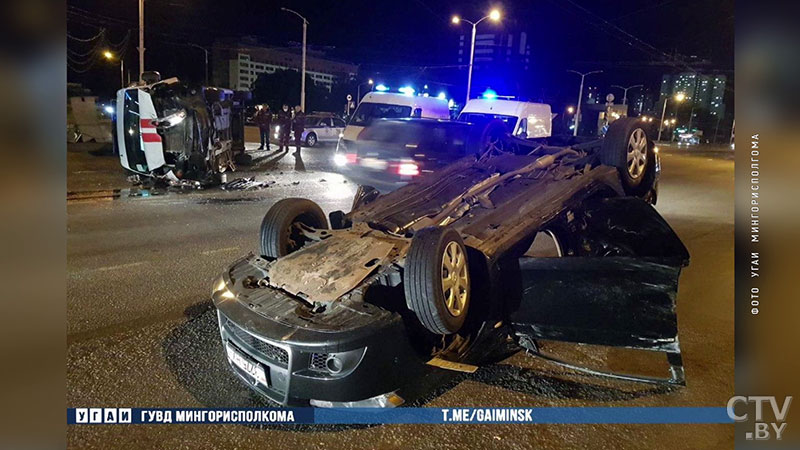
{"x":242,"y":184}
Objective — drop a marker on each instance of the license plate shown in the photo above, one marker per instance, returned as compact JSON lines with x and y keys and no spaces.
{"x":374,"y":163}
{"x":249,"y":366}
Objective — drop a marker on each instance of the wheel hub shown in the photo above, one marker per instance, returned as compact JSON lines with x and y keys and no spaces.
{"x":637,"y":153}
{"x":455,"y":279}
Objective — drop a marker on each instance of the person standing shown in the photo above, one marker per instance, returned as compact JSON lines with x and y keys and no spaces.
{"x":264,"y":121}
{"x":298,"y":126}
{"x":285,"y":124}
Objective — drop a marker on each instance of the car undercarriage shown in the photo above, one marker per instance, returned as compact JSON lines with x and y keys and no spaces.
{"x":441,"y":272}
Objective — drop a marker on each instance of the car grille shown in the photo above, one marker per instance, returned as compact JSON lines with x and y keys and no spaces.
{"x":318,"y":361}
{"x":269,"y":351}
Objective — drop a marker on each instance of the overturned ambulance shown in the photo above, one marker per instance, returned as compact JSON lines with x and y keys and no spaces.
{"x":172,"y":130}
{"x":352,"y":309}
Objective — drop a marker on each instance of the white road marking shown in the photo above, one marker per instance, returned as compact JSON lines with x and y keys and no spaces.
{"x":219,"y":250}
{"x":107,"y":268}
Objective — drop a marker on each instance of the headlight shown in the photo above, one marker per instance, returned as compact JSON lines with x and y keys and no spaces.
{"x":339,"y":159}
{"x":171,"y":120}
{"x":221,"y":288}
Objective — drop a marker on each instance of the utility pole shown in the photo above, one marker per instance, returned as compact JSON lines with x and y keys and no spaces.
{"x":141,"y":39}
{"x":303,"y":71}
{"x":625,"y":91}
{"x":580,"y":97}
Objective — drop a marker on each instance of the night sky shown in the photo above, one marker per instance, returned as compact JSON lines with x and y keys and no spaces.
{"x":632,"y":41}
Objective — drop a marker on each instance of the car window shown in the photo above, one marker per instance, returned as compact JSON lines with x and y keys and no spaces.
{"x":510,"y":121}
{"x":367,"y":112}
{"x":338,"y":123}
{"x":431,"y":138}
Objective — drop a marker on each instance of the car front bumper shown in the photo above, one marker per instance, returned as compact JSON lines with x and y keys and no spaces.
{"x":372,"y":359}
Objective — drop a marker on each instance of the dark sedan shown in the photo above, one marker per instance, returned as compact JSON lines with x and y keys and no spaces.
{"x":392,"y":152}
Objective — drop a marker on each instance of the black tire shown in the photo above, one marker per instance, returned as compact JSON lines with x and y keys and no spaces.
{"x":636,"y":180}
{"x":311,"y":140}
{"x":422,"y":280}
{"x":490,"y":136}
{"x":277,"y":236}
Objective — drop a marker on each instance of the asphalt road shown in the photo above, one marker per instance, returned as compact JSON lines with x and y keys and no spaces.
{"x":142,"y":333}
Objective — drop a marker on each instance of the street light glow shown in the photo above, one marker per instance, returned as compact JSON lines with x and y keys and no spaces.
{"x":370,"y":81}
{"x":108,"y":55}
{"x":680,"y":97}
{"x":494,"y":15}
{"x":570,"y":110}
{"x":456,"y":20}
{"x":442,"y":95}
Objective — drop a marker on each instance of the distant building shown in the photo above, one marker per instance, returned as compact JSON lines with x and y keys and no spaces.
{"x":502,"y":60}
{"x":238,"y":63}
{"x":703,"y":91}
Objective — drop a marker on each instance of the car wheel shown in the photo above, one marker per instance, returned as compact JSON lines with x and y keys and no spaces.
{"x":311,"y":140}
{"x":279,"y":235}
{"x":628,"y":148}
{"x":436,"y":279}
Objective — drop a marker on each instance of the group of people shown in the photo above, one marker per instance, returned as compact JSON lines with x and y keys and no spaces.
{"x":288,"y":120}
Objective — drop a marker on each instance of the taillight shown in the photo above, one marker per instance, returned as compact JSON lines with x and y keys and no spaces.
{"x":352,"y":158}
{"x":408,"y":169}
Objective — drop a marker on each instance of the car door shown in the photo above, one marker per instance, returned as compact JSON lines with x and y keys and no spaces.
{"x":325,"y":131}
{"x":615,"y":284}
{"x":338,"y":128}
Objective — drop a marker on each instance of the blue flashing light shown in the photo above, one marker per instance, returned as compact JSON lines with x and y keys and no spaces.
{"x":442,"y":95}
{"x":408,"y":90}
{"x":489,"y":94}
{"x":381,"y":88}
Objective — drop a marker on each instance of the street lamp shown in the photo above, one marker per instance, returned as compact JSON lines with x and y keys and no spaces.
{"x":358,"y":89}
{"x":303,"y":72}
{"x":110,"y":56}
{"x":580,"y":97}
{"x":494,"y":16}
{"x":570,"y":110}
{"x":205,"y":50}
{"x":679,"y":97}
{"x":141,"y":39}
{"x":625,"y":91}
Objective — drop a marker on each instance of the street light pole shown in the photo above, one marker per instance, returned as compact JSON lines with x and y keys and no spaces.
{"x":358,"y":89}
{"x":493,"y":15}
{"x":661,"y":124}
{"x":625,"y":91}
{"x":678,"y":98}
{"x":580,"y":97}
{"x":303,"y":71}
{"x":205,"y":51}
{"x":471,"y":59}
{"x":141,"y":39}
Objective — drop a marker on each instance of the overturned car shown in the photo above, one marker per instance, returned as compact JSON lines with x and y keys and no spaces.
{"x":353,"y":310}
{"x":171,"y":130}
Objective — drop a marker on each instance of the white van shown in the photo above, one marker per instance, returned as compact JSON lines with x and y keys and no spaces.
{"x":524,"y":119}
{"x":391,"y":105}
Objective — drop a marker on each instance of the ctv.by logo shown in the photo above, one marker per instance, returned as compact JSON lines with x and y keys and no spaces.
{"x":763,"y":430}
